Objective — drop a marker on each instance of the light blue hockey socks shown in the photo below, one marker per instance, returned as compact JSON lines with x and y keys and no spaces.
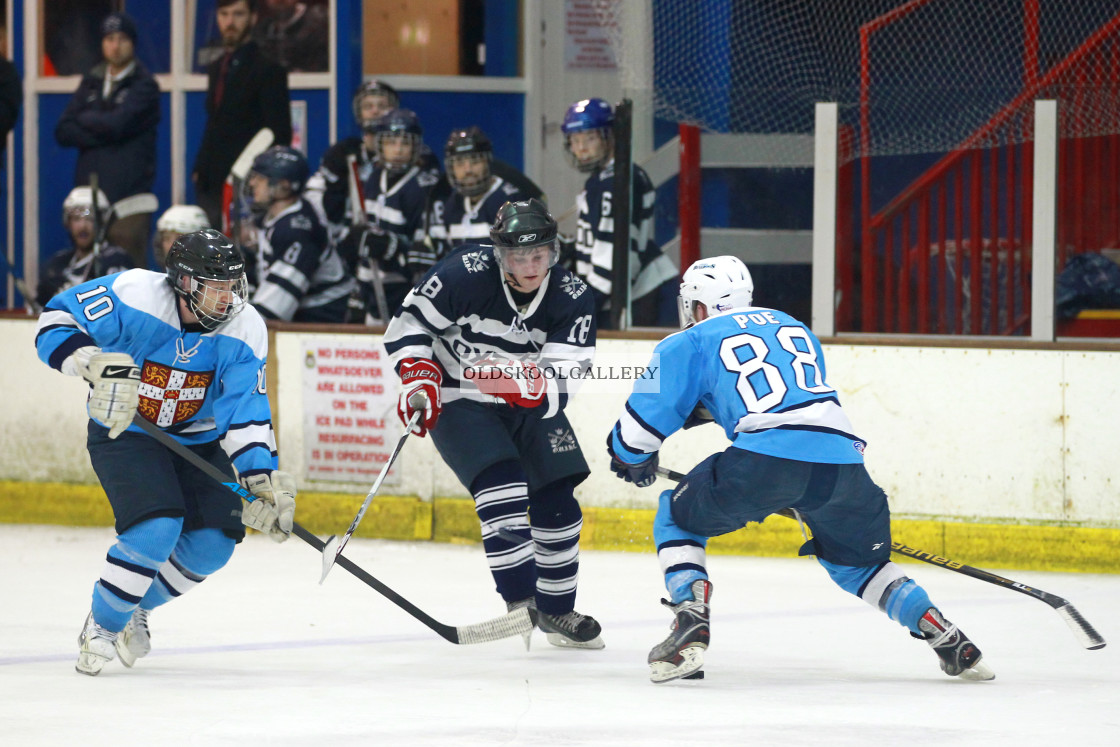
{"x":130,"y":566}
{"x":197,"y":554}
{"x":885,"y":587}
{"x":681,"y":553}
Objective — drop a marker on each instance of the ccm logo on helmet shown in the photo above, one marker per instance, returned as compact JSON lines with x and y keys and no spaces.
{"x":526,"y":237}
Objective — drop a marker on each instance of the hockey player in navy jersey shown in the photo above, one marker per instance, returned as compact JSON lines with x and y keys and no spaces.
{"x":588,"y":129}
{"x":491,"y":337}
{"x":302,"y":278}
{"x":760,"y":374}
{"x":76,"y":264}
{"x":187,"y":352}
{"x":396,"y":201}
{"x":328,"y":188}
{"x":477,"y":192}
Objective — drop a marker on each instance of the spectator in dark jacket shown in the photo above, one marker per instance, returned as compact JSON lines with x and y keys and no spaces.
{"x":112,"y":120}
{"x":11,"y":98}
{"x":246,"y":92}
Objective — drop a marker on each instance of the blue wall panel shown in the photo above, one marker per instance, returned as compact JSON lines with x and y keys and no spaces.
{"x":500,"y":115}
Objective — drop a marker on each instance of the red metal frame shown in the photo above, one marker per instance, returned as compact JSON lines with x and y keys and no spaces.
{"x":897,"y":252}
{"x":689,"y":194}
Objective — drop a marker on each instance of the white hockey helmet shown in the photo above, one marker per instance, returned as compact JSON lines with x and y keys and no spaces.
{"x":183,"y":219}
{"x":720,"y":283}
{"x":80,"y":203}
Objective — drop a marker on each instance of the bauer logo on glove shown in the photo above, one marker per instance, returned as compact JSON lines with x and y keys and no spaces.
{"x":519,"y":383}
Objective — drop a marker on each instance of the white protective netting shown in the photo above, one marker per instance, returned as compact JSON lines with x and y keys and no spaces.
{"x":939,"y":70}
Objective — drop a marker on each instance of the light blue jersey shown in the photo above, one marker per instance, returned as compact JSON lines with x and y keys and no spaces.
{"x":197,"y":385}
{"x":761,"y":375}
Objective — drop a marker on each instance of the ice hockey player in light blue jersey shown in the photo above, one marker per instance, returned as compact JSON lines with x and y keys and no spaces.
{"x":760,"y":374}
{"x":185,"y":351}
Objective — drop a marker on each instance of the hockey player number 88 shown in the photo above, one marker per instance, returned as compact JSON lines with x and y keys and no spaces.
{"x":807,"y":374}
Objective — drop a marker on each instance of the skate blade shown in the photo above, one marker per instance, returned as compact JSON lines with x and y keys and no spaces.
{"x":560,"y":641}
{"x":692,"y":658}
{"x":90,"y":664}
{"x":978,"y":672}
{"x":330,"y":554}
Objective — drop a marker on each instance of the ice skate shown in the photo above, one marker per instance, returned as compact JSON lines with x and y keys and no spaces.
{"x":682,"y":653}
{"x":959,"y":656}
{"x":571,"y":630}
{"x":135,"y":641}
{"x":96,"y":647}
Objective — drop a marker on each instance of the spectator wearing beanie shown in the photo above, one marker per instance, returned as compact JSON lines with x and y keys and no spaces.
{"x":112,"y":120}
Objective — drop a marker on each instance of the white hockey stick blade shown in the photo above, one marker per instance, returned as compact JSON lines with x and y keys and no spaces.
{"x":519,"y":622}
{"x":1082,"y":630}
{"x":330,"y":554}
{"x":259,"y":144}
{"x":145,"y":202}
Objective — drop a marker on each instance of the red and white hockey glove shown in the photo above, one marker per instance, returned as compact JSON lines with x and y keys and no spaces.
{"x":519,"y":383}
{"x":420,"y":385}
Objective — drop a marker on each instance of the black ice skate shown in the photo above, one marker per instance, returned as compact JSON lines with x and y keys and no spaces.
{"x":572,"y":630}
{"x":682,"y":653}
{"x":959,"y":656}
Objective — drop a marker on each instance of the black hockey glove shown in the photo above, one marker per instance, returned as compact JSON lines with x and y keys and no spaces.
{"x":377,"y":243}
{"x":643,"y":474}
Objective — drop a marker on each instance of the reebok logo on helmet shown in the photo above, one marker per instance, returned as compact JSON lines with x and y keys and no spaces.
{"x":526,"y":237}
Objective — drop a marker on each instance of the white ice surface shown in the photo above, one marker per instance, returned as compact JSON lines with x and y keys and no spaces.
{"x":261,"y":654}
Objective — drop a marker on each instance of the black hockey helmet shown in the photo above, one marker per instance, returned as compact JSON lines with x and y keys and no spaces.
{"x":398,"y":123}
{"x":373,"y":88}
{"x":207,"y":270}
{"x":283,"y":163}
{"x":522,"y":225}
{"x":468,"y":144}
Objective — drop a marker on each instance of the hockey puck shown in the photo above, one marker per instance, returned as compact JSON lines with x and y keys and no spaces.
{"x":697,"y":675}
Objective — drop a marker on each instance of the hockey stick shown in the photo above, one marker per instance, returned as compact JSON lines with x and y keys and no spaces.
{"x":359,"y":220}
{"x":333,"y":547}
{"x":231,"y":190}
{"x":21,"y":286}
{"x":1085,"y":633}
{"x":517,"y":623}
{"x":144,"y":202}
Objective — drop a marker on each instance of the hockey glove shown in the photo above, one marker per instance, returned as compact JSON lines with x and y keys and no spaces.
{"x":519,"y":383}
{"x":273,"y":508}
{"x":642,"y":474}
{"x":420,"y":392}
{"x":116,"y":387}
{"x":698,"y":416}
{"x":377,"y":243}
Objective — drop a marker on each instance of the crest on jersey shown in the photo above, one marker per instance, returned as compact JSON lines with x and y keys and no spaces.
{"x":301,"y":222}
{"x":573,"y":286}
{"x":169,"y":395}
{"x":475,"y":261}
{"x":562,"y":440}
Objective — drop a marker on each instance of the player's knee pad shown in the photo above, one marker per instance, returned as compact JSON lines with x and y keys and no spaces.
{"x":130,"y":566}
{"x":555,"y":506}
{"x":501,"y":496}
{"x":885,"y":587}
{"x":204,"y":551}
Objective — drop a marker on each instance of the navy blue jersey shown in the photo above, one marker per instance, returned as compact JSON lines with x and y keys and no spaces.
{"x":302,"y":277}
{"x":66,"y":269}
{"x":761,"y":375}
{"x":328,"y":189}
{"x":198,"y":385}
{"x":458,"y":219}
{"x":649,"y":268}
{"x":399,"y":205}
{"x":462,"y":312}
